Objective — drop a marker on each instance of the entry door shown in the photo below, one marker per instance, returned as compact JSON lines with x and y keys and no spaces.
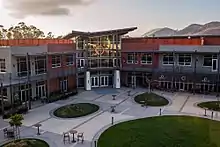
{"x":133,"y":81}
{"x":214,"y":64}
{"x":104,"y":81}
{"x":95,"y":81}
{"x":41,"y":90}
{"x":182,"y":86}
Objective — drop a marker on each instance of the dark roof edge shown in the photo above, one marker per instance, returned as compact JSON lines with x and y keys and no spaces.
{"x":80,"y":33}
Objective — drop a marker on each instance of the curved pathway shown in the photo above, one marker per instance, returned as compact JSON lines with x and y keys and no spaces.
{"x":92,"y":125}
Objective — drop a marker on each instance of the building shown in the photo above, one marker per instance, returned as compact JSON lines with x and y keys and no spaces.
{"x":98,"y":57}
{"x":32,"y":69}
{"x":179,"y":63}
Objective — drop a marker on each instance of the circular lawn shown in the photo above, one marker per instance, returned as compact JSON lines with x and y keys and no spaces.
{"x":211,"y":105}
{"x":76,"y":110}
{"x":29,"y":142}
{"x":164,"y":131}
{"x":151,"y":99}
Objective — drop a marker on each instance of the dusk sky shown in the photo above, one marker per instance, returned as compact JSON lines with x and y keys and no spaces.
{"x":62,"y":16}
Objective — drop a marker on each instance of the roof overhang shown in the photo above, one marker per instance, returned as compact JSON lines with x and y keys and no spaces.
{"x":99,"y":33}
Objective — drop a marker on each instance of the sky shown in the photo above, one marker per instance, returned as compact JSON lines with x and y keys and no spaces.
{"x":63,"y":16}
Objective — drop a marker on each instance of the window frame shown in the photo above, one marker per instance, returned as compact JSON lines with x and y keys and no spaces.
{"x":69,"y":63}
{"x":168,"y":62}
{"x":146,"y":56}
{"x":134,"y":59}
{"x":2,"y":66}
{"x":57,"y":58}
{"x":36,"y":60}
{"x":184,"y":60}
{"x":212,"y":57}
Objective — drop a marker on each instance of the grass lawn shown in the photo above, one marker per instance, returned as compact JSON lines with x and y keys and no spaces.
{"x":164,"y":131}
{"x":30,"y":142}
{"x":211,"y":105}
{"x":76,"y":110}
{"x":152,"y":99}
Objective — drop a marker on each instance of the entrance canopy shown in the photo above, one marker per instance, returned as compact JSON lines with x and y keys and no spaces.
{"x":99,"y":33}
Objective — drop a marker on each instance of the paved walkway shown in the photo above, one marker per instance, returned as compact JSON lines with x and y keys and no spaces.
{"x":126,"y":109}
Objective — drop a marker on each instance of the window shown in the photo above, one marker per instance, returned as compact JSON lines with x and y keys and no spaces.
{"x":132,"y":58}
{"x":56,"y":61}
{"x":2,"y":65}
{"x":168,"y":59}
{"x":185,"y":59}
{"x":207,"y":60}
{"x":40,"y":64}
{"x":146,"y":59}
{"x":22,"y":67}
{"x":69,"y":60}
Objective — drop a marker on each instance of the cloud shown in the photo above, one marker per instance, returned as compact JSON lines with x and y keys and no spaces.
{"x":24,"y":8}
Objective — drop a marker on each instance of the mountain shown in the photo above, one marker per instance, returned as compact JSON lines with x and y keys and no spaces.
{"x":189,"y":30}
{"x":211,"y":28}
{"x":160,"y":32}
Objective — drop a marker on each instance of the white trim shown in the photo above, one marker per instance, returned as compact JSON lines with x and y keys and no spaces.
{"x":216,"y":65}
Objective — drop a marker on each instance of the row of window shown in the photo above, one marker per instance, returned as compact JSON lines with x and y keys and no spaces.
{"x":93,"y":63}
{"x":56,"y":60}
{"x":168,"y":59}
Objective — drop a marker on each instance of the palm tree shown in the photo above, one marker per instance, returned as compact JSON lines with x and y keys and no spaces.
{"x":16,"y":122}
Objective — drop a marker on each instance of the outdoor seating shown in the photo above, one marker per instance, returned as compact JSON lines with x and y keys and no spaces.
{"x":80,"y":136}
{"x":66,"y":137}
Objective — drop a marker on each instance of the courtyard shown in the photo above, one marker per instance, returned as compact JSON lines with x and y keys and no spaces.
{"x":94,"y":124}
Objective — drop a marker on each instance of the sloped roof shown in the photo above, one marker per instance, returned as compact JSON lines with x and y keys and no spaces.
{"x":99,"y":33}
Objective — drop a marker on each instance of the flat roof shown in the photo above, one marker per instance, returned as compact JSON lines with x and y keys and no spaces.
{"x":99,"y":33}
{"x":173,"y":37}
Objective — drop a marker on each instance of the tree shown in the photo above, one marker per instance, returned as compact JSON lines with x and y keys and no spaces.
{"x":16,"y":122}
{"x":23,"y":31}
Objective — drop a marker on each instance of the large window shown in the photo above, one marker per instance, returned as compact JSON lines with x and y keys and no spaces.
{"x":146,"y":59}
{"x":207,"y":60}
{"x":64,"y":85}
{"x":185,"y":59}
{"x":40,"y":65}
{"x":22,"y":66}
{"x":56,"y":61}
{"x":69,"y":60}
{"x":2,"y":65}
{"x":132,"y":58}
{"x":168,"y":59}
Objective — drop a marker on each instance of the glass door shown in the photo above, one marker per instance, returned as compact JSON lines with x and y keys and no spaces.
{"x":95,"y":81}
{"x":23,"y":95}
{"x":214,"y":64}
{"x":41,"y":91}
{"x":104,"y":81}
{"x":182,"y":86}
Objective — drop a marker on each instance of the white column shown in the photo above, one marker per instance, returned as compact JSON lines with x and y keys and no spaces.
{"x":33,"y":89}
{"x":87,"y":81}
{"x":117,"y":80}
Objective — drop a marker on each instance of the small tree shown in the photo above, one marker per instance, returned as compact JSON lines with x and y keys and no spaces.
{"x":16,"y":122}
